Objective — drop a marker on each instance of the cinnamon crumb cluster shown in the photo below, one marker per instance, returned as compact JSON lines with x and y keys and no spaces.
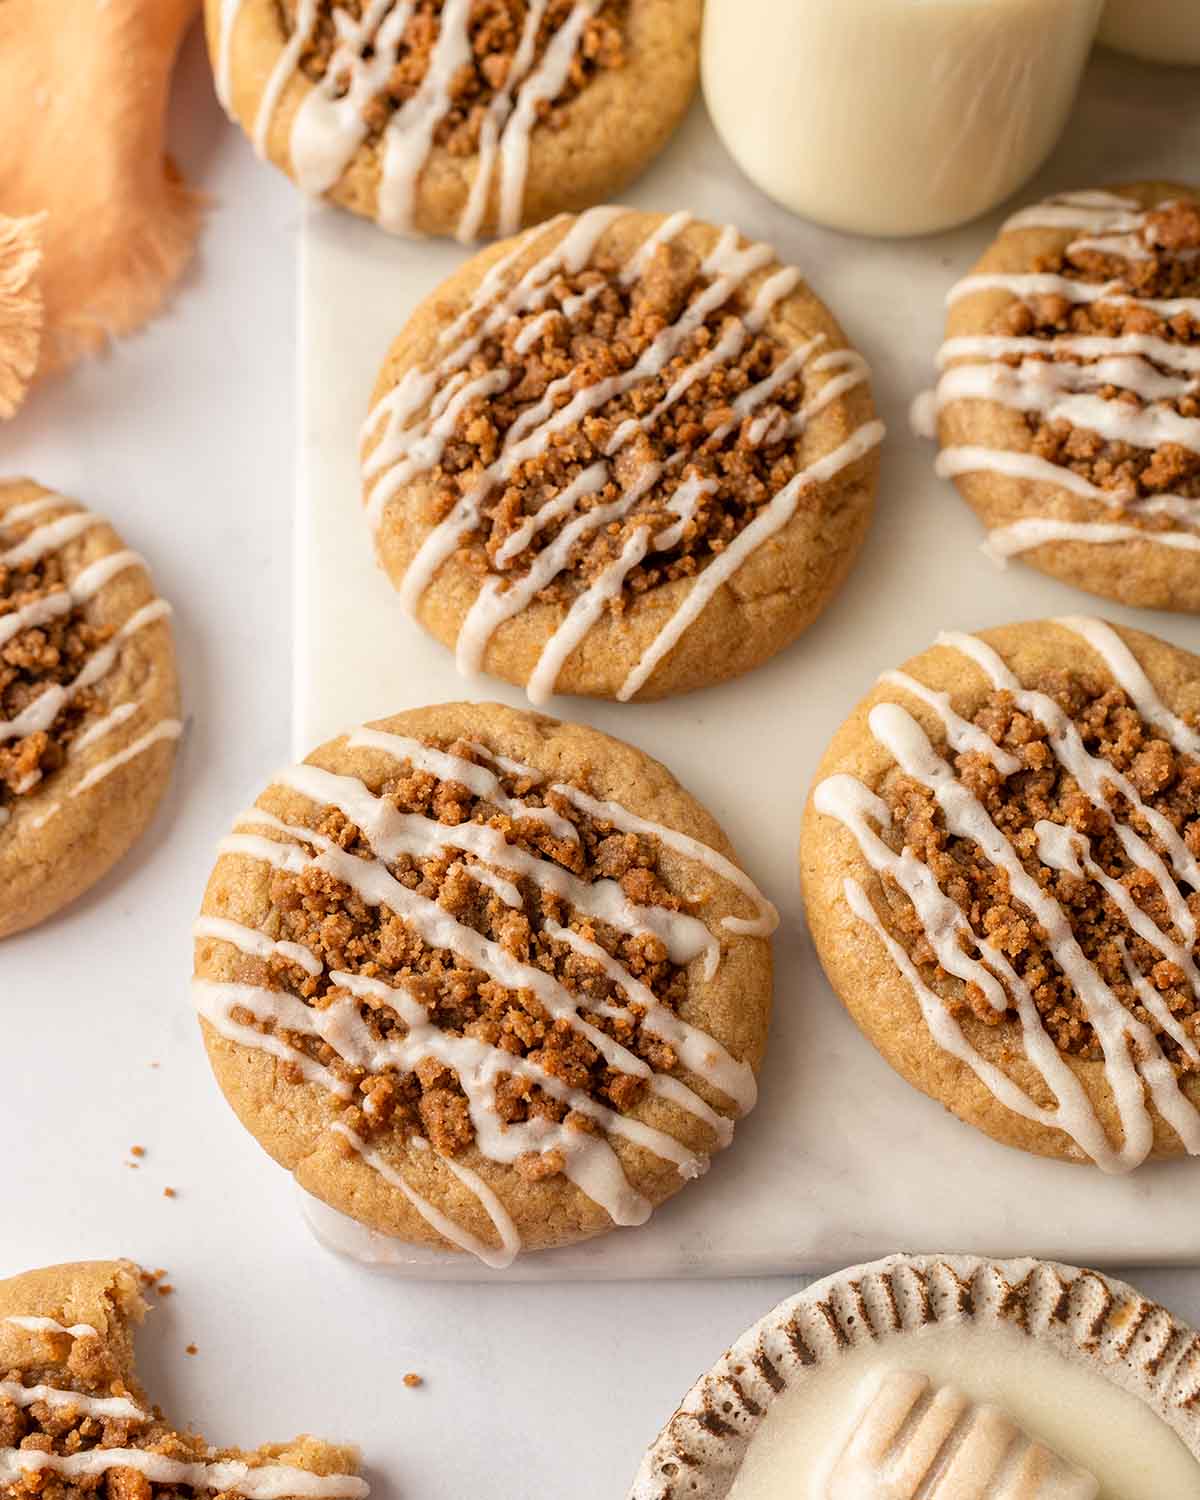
{"x":34,"y":660}
{"x":1167,"y":782}
{"x":326,"y":916}
{"x":1172,"y":237}
{"x":87,"y":1366}
{"x":90,"y":1368}
{"x":494,"y":29}
{"x":592,"y":326}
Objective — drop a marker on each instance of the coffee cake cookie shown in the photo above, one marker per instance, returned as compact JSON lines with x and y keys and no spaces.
{"x":1069,"y":408}
{"x":623,"y":455}
{"x":75,"y":1421}
{"x":1000,"y":861}
{"x":464,"y":117}
{"x":482,"y":980}
{"x":89,"y":701}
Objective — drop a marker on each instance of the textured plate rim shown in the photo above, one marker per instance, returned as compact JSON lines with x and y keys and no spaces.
{"x":1086,"y":1316}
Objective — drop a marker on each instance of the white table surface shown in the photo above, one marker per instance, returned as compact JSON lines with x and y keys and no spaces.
{"x":185,"y":437}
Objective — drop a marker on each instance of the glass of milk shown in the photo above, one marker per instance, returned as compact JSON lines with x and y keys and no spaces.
{"x":1166,"y":31}
{"x":893,"y":117}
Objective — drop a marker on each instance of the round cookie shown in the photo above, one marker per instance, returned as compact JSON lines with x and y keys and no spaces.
{"x":75,"y":1419}
{"x":1069,"y":411}
{"x":622,"y":455}
{"x":463,"y":117}
{"x":1000,"y":871}
{"x":482,"y":980}
{"x":89,"y":701}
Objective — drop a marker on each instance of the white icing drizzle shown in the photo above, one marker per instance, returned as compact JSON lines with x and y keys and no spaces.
{"x":77,"y":591}
{"x":587,"y":1158}
{"x":1127,"y":670}
{"x":507,"y":763}
{"x":478,"y":780}
{"x":510,"y":1240}
{"x":329,"y":125}
{"x":495,"y":301}
{"x":408,"y":445}
{"x":33,"y":1324}
{"x":1133,"y":1060}
{"x":762,"y":924}
{"x":282,"y":73}
{"x":111,"y":720}
{"x":165,"y":729}
{"x":961,"y":733}
{"x":251,"y":940}
{"x":583,"y":614}
{"x":1066,"y":392}
{"x":28,"y":509}
{"x":1061,"y":378}
{"x":64,"y":1400}
{"x":770,"y":519}
{"x":270,"y":1481}
{"x":1028,"y":284}
{"x":215,"y":1002}
{"x":1008,"y":541}
{"x":46,"y":707}
{"x":270,"y":851}
{"x":1099,"y":212}
{"x":969,"y":459}
{"x":1080,"y":345}
{"x":223,"y":72}
{"x":1093,"y":774}
{"x":49,"y":537}
{"x":392,"y":833}
{"x":545,"y":83}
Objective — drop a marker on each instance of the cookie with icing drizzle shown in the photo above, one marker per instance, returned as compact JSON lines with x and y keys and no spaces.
{"x":456,"y":117}
{"x":1001,"y":861}
{"x":75,"y":1420}
{"x":1068,"y":408}
{"x":89,"y":701}
{"x":484,"y":981}
{"x":624,"y":455}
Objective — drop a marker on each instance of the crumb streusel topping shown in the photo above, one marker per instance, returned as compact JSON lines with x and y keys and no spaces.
{"x":598,"y":428}
{"x":467,"y":955}
{"x":55,"y":656}
{"x":1042,"y":872}
{"x":1099,"y":350}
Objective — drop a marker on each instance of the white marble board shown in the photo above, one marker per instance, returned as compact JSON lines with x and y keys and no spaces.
{"x":842,"y":1160}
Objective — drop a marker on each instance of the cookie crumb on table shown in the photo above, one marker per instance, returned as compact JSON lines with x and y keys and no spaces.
{"x":412,"y":1380}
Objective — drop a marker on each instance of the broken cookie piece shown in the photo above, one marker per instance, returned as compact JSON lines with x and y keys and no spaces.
{"x":74,"y":1417}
